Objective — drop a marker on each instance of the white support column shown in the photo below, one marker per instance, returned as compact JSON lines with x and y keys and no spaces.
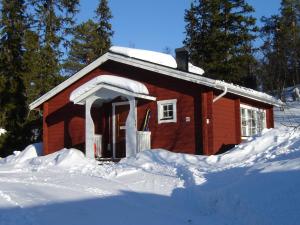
{"x":131,"y":128}
{"x":89,"y":128}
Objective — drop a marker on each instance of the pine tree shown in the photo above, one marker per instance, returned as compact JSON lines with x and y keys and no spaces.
{"x":12,"y":90}
{"x":281,"y":48}
{"x":53,"y":19}
{"x":219,"y":35}
{"x":103,"y":17}
{"x":91,"y":39}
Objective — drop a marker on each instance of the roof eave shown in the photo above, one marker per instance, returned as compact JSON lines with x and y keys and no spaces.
{"x":147,"y":66}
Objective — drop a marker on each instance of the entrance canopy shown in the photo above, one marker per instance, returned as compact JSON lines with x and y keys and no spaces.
{"x":105,"y":88}
{"x":109,"y":87}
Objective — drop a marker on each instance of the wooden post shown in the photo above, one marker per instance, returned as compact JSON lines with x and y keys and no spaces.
{"x":89,"y":128}
{"x":131,"y":131}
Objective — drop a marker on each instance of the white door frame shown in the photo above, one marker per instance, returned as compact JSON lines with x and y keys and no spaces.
{"x":114,"y":104}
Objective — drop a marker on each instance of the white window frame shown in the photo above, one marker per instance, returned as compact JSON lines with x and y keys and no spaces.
{"x":160,"y":105}
{"x":249,"y":129}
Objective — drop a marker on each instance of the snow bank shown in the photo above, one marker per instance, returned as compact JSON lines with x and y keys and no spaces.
{"x":256,"y":183}
{"x":121,"y":82}
{"x":29,"y":152}
{"x":71,"y":159}
{"x":265,"y":147}
{"x":30,"y":159}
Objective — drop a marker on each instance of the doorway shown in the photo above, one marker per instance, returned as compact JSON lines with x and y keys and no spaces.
{"x":120,"y":113}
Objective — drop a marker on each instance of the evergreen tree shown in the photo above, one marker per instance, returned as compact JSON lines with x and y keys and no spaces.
{"x":12,"y":90}
{"x":281,"y":47}
{"x":103,"y":17}
{"x":219,"y":35}
{"x":91,"y":39}
{"x":53,"y":19}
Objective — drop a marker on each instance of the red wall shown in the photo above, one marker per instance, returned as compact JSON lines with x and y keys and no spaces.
{"x":213,"y":127}
{"x":65,"y":126}
{"x":225,"y":124}
{"x":224,"y":128}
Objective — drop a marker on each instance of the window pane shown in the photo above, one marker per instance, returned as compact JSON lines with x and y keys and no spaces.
{"x":167,"y":111}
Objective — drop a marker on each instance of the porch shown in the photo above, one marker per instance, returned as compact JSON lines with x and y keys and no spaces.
{"x":111,"y":117}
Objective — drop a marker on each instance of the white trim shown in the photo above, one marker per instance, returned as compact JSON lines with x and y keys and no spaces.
{"x":247,"y":107}
{"x":158,"y":69}
{"x":80,"y":99}
{"x":69,"y":81}
{"x":114,"y":104}
{"x":250,"y":107}
{"x":160,"y":112}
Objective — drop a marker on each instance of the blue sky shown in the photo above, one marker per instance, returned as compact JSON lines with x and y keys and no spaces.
{"x":155,"y":24}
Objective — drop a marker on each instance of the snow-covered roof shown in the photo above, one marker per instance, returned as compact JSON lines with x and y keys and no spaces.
{"x":149,"y":56}
{"x":154,"y":57}
{"x":246,"y":91}
{"x":115,"y":81}
{"x":160,"y":70}
{"x":195,"y":69}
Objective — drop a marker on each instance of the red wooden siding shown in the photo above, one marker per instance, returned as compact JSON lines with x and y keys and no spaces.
{"x":207,"y":122}
{"x":177,"y":137}
{"x":238,"y":128}
{"x":65,"y":121}
{"x":45,"y":128}
{"x":212,"y":127}
{"x":225,"y":123}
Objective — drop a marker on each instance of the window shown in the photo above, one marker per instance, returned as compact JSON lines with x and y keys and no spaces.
{"x":253,"y":120}
{"x":166,"y":110}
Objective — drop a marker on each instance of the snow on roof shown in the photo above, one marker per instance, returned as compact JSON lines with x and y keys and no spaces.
{"x":195,"y":69}
{"x":146,"y":55}
{"x":121,"y":54}
{"x":248,"y":91}
{"x":120,"y":82}
{"x":154,"y":57}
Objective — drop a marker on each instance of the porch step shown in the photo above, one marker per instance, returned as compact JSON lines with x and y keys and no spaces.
{"x":103,"y":160}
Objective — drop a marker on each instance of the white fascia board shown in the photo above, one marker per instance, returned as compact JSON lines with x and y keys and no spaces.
{"x":254,"y":97}
{"x":188,"y":77}
{"x":163,"y":70}
{"x":150,"y":67}
{"x":68,"y":82}
{"x":81,"y":99}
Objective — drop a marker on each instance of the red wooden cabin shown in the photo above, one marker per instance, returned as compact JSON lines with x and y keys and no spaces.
{"x":177,"y":109}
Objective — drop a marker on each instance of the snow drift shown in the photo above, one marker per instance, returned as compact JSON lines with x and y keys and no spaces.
{"x":256,"y":183}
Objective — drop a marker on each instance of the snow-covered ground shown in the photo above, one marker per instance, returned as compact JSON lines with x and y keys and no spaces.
{"x":256,"y":183}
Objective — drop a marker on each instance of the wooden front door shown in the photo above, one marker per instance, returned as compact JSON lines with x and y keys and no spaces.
{"x":121,"y":111}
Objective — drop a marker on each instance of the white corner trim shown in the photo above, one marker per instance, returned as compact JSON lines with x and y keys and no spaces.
{"x":160,"y":112}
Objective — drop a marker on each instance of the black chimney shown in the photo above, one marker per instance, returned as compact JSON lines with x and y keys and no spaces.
{"x":182,"y":59}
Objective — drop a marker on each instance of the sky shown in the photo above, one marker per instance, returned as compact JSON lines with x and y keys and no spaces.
{"x":156,"y":24}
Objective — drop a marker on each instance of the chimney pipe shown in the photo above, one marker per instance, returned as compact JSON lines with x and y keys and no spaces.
{"x":182,"y":59}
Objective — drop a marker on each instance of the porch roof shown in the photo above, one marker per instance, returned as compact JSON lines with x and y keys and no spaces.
{"x":109,"y":87}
